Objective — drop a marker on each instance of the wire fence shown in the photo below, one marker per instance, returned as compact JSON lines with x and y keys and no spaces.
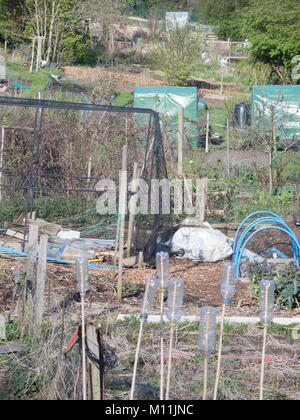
{"x":54,"y":154}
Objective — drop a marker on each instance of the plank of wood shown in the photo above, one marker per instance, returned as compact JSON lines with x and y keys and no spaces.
{"x":91,"y":337}
{"x":11,"y":347}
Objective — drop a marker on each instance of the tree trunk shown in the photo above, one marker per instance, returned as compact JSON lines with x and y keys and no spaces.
{"x":270,"y":169}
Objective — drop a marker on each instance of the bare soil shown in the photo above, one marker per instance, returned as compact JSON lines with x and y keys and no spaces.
{"x":202,"y":282}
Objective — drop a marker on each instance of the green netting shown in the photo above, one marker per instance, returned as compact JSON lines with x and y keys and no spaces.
{"x":166,"y":100}
{"x":280,"y":104}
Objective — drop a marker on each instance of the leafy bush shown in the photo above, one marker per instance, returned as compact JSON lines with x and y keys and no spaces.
{"x":287,"y":283}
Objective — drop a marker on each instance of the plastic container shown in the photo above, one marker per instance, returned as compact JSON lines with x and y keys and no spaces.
{"x":242,"y":116}
{"x":175,"y":299}
{"x":146,"y":307}
{"x":228,"y":281}
{"x":162,"y":268}
{"x":82,"y":274}
{"x":266,"y":301}
{"x":207,"y":330}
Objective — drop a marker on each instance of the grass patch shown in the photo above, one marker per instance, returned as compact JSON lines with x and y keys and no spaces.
{"x":123,"y":99}
{"x":37,"y":81}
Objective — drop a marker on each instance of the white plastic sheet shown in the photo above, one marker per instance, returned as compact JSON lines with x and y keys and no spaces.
{"x":201,"y":244}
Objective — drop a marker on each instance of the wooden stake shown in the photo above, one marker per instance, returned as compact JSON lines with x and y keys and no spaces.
{"x":228,"y":148}
{"x":122,"y":213}
{"x":222,"y":79}
{"x":261,"y":392}
{"x":204,"y":190}
{"x":30,"y":264}
{"x":161,"y":331}
{"x":169,"y":362}
{"x":84,"y":393}
{"x":132,"y":214}
{"x":142,"y":320}
{"x":205,"y":378}
{"x":1,"y":157}
{"x":207,"y":133}
{"x":101,"y":360}
{"x":219,"y":353}
{"x":89,"y":170}
{"x":91,"y":336}
{"x":140,"y":259}
{"x":40,"y":286}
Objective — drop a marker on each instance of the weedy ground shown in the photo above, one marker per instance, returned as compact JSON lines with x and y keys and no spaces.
{"x":43,"y":372}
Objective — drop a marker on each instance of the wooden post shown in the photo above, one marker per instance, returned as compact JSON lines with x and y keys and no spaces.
{"x":219,"y":353}
{"x":5,"y":45}
{"x":29,"y":276}
{"x":101,"y":360}
{"x":222,"y":80}
{"x":122,"y":213}
{"x":132,"y":214}
{"x":229,"y":49}
{"x":261,"y":382}
{"x":38,"y":308}
{"x":140,"y":260}
{"x":1,"y":157}
{"x":207,"y":132}
{"x":91,"y":337}
{"x":228,"y":148}
{"x":204,"y":190}
{"x":89,"y":170}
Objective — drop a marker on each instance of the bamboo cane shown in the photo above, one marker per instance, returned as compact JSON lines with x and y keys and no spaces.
{"x":83,"y":346}
{"x":205,"y":378}
{"x":136,"y":358}
{"x":261,"y":392}
{"x":169,"y":362}
{"x":219,"y":353}
{"x":162,"y":331}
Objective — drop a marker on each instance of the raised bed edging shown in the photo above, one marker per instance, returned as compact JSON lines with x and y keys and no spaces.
{"x":230,"y":319}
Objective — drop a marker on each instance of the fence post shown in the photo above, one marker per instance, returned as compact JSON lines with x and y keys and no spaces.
{"x":207,"y":132}
{"x":91,"y":337}
{"x":204,"y":189}
{"x":122,"y":213}
{"x":29,"y":276}
{"x":132,"y":214}
{"x":228,"y":148}
{"x":222,"y":80}
{"x":38,"y":308}
{"x":1,"y":157}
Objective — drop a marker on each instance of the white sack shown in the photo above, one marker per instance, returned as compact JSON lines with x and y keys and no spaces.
{"x":202,"y":244}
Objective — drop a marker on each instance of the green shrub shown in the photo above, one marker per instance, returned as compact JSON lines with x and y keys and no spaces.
{"x":287,"y":283}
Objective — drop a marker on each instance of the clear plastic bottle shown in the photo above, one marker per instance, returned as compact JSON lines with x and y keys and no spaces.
{"x":147,"y":303}
{"x":228,"y":281}
{"x":82,"y":274}
{"x":207,"y":330}
{"x":266,"y":301}
{"x":162,"y":268}
{"x":175,"y":299}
